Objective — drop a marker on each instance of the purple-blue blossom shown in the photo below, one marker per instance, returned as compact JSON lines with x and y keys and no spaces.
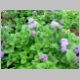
{"x":33,"y":25}
{"x":55,"y":24}
{"x":64,"y":42}
{"x":43,"y":57}
{"x":63,"y":49}
{"x":33,"y":33}
{"x":30,"y":20}
{"x":2,"y":54}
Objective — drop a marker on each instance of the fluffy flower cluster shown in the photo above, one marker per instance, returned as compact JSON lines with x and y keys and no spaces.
{"x":32,"y":25}
{"x":30,"y":20}
{"x":55,"y":24}
{"x":33,"y":33}
{"x":2,"y":54}
{"x":43,"y":57}
{"x":64,"y":43}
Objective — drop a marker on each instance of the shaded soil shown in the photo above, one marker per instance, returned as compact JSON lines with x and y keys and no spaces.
{"x":76,"y":31}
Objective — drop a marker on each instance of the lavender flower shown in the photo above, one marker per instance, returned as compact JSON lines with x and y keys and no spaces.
{"x":33,"y":25}
{"x":55,"y":24}
{"x":63,"y":49}
{"x":64,"y":42}
{"x":33,"y":33}
{"x":2,"y":54}
{"x":30,"y":20}
{"x":43,"y":57}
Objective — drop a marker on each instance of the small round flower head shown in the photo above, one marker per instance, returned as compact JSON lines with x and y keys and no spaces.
{"x":33,"y":33}
{"x":64,"y":42}
{"x":2,"y":54}
{"x":33,"y":25}
{"x":43,"y":57}
{"x":55,"y":24}
{"x":30,"y":20}
{"x":63,"y":49}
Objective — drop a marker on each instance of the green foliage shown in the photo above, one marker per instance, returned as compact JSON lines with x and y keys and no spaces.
{"x":71,"y":19}
{"x":22,"y":50}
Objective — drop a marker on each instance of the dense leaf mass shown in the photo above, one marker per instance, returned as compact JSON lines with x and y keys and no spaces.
{"x":39,"y":39}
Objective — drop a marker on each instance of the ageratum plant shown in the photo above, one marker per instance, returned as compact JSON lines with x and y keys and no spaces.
{"x":38,"y":44}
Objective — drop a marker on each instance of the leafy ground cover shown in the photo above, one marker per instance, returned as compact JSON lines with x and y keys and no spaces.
{"x":40,"y":39}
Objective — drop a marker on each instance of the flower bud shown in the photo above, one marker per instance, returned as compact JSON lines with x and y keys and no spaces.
{"x":64,"y":42}
{"x":33,"y":33}
{"x":2,"y":54}
{"x":63,"y":49}
{"x":55,"y":24}
{"x":33,"y":25}
{"x":43,"y":57}
{"x":30,"y":20}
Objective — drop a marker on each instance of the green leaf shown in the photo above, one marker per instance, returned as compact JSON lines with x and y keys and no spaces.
{"x":40,"y":65}
{"x":24,"y":27}
{"x":23,"y":57}
{"x":9,"y":63}
{"x":70,"y":56}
